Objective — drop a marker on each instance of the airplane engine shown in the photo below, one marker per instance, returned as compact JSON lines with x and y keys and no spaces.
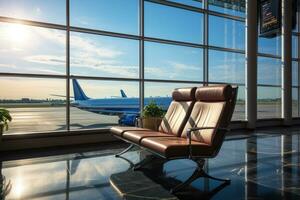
{"x":128,"y":119}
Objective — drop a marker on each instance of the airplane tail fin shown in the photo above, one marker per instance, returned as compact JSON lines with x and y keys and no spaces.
{"x":78,"y":92}
{"x":123,"y":94}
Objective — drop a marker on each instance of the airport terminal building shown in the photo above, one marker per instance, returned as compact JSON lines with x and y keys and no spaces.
{"x":78,"y":79}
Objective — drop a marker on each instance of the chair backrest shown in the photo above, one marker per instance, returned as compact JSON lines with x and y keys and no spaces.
{"x":214,"y":107}
{"x":178,"y":111}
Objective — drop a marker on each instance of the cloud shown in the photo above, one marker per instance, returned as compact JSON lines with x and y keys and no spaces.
{"x":181,"y":66}
{"x":85,"y":53}
{"x":47,"y":59}
{"x":79,"y":44}
{"x":2,"y":65}
{"x":105,"y":66}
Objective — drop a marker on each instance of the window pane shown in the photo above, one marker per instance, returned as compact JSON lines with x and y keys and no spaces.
{"x":171,"y":62}
{"x":226,"y":67}
{"x":269,"y":71}
{"x":295,"y":102}
{"x":295,"y":46}
{"x":233,"y":33}
{"x":189,"y":2}
{"x":239,"y":111}
{"x":269,"y":102}
{"x":295,"y":73}
{"x":51,"y":11}
{"x":173,"y":23}
{"x":35,"y":104}
{"x":19,"y":54}
{"x":95,"y":55}
{"x":113,"y":15}
{"x":98,"y":104}
{"x":269,"y":45}
{"x":236,"y":8}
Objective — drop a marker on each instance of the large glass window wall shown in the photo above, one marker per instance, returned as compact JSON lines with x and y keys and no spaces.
{"x":54,"y":66}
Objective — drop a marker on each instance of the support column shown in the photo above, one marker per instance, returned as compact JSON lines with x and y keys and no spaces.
{"x":251,"y":63}
{"x":286,"y":62}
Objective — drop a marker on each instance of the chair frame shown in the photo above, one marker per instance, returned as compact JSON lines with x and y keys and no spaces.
{"x":199,"y":160}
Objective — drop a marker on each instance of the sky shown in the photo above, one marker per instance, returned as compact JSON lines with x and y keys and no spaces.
{"x":26,"y":49}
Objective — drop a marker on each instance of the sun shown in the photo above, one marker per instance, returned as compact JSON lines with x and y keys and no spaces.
{"x":18,"y":34}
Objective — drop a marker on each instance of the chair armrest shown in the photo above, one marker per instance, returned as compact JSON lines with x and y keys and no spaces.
{"x":203,"y":128}
{"x":191,"y":130}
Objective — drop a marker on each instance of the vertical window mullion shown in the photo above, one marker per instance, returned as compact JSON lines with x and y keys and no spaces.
{"x":142,"y":55}
{"x":68,"y":64}
{"x":205,"y":51}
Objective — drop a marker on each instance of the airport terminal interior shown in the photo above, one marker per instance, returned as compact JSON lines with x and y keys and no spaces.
{"x":149,"y":99}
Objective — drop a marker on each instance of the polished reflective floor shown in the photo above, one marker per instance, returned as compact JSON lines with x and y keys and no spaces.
{"x":264,"y":165}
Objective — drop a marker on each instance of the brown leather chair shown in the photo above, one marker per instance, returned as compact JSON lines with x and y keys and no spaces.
{"x":172,"y":124}
{"x":202,"y":134}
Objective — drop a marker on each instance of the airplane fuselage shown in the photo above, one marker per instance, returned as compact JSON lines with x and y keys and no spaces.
{"x":118,"y":106}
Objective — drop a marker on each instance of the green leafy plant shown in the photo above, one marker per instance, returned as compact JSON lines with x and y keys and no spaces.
{"x":4,"y":118}
{"x":153,"y":110}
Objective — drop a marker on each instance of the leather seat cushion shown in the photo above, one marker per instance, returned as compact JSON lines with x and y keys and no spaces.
{"x":172,"y":147}
{"x":119,"y":130}
{"x":137,"y":136}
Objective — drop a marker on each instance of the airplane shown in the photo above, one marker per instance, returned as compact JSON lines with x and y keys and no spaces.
{"x":127,"y":108}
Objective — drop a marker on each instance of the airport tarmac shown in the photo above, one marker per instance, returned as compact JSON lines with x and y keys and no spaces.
{"x":42,"y":119}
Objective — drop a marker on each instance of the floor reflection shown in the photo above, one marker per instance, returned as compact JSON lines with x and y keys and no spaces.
{"x":263,"y":166}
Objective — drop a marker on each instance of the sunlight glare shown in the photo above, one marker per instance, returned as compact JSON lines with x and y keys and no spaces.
{"x":18,"y":188}
{"x":17,"y":33}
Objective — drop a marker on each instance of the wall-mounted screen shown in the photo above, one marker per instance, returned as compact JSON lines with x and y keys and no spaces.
{"x":269,"y":18}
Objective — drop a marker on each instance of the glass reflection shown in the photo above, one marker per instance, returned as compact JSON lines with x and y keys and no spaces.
{"x":295,"y":101}
{"x":263,"y":166}
{"x":233,"y":33}
{"x":251,"y":168}
{"x":236,"y":8}
{"x":226,"y":67}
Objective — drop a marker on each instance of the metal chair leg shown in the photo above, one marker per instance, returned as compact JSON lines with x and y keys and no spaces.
{"x":199,"y":172}
{"x":196,"y":174}
{"x":143,"y":162}
{"x":124,"y":151}
{"x":205,"y":175}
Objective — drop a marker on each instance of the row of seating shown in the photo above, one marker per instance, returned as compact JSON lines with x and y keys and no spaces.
{"x":194,"y":126}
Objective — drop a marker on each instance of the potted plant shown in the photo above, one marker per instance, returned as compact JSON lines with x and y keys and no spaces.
{"x":152,"y":115}
{"x":4,"y":118}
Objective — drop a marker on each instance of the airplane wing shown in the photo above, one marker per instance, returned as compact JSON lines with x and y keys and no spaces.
{"x":58,"y":95}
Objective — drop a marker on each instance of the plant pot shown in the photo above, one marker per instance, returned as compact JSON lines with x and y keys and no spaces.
{"x":151,"y":122}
